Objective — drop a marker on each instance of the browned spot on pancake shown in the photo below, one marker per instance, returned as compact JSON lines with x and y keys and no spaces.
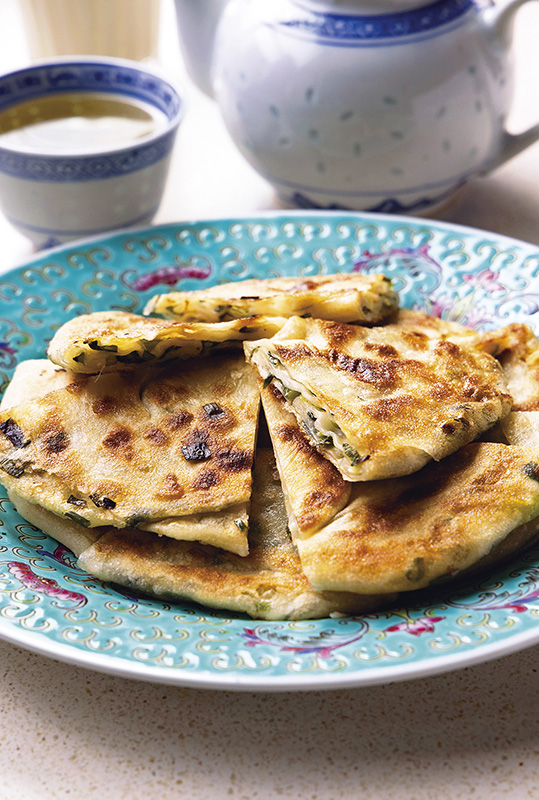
{"x":303,"y":286}
{"x":474,"y":389}
{"x":119,"y":441}
{"x":170,"y":487}
{"x":448,"y":428}
{"x":383,"y":350}
{"x":198,"y":435}
{"x":178,"y":420}
{"x":167,"y":395}
{"x":234,"y":460}
{"x":387,"y":408}
{"x":57,"y":442}
{"x":338,"y":333}
{"x":276,"y":394}
{"x":314,"y":502}
{"x":104,"y":405}
{"x":441,"y":390}
{"x":107,"y":488}
{"x":382,"y":375}
{"x":296,"y":353}
{"x":415,"y":339}
{"x":156,"y":436}
{"x":448,"y":349}
{"x":218,"y":422}
{"x":75,"y":387}
{"x":206,"y":479}
{"x":532,"y":405}
{"x":290,"y":433}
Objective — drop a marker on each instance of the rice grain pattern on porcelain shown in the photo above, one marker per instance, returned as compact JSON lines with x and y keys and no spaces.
{"x":387,"y":106}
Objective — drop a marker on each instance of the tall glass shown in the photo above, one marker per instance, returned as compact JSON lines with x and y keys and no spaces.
{"x":122,"y":28}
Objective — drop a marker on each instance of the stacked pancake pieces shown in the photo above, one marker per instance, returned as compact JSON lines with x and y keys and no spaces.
{"x":402,"y":450}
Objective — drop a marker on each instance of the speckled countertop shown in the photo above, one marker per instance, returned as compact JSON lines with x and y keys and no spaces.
{"x":69,"y":732}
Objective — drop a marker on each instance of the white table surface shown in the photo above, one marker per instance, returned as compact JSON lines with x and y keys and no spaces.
{"x":68,"y":732}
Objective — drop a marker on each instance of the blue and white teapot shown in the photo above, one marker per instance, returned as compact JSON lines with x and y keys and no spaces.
{"x":379,"y":105}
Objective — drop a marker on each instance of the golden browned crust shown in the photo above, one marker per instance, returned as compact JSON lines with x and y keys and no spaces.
{"x":398,"y":397}
{"x":144,"y":448}
{"x":403,"y":534}
{"x":267,"y":584}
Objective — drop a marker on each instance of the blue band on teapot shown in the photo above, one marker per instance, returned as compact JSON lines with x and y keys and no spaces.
{"x":351,"y":30}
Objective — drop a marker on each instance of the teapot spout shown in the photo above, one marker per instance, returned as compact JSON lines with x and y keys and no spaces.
{"x":197,"y":22}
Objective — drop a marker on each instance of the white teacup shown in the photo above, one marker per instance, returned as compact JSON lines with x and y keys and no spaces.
{"x":107,"y":170}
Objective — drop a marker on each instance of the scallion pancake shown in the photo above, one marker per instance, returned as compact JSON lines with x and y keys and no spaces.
{"x":517,"y":349}
{"x":381,"y":402}
{"x":313,"y":487}
{"x":110,"y":340}
{"x":166,"y":449}
{"x":267,"y":584}
{"x":404,"y":534}
{"x":353,"y":297}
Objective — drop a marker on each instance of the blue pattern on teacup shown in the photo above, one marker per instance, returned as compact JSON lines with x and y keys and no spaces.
{"x":85,"y":168}
{"x":89,"y":77}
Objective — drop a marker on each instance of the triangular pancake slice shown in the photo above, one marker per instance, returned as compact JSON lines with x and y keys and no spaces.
{"x":434,"y":327}
{"x":110,"y":340}
{"x":517,"y":349}
{"x":404,"y":534}
{"x":165,"y":449}
{"x":353,"y":297}
{"x":381,"y":402}
{"x":266,"y":584}
{"x":313,"y":487}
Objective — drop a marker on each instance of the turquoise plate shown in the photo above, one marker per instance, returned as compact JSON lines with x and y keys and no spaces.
{"x":47,"y":604}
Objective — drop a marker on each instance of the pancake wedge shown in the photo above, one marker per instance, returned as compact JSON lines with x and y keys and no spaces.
{"x":350,"y":297}
{"x":313,"y":487}
{"x":267,"y":584}
{"x":435,"y":327}
{"x":112,"y":340}
{"x":164,"y":449}
{"x":381,"y":402}
{"x":32,"y":379}
{"x":517,"y":349}
{"x":401,"y":535}
{"x":72,"y":535}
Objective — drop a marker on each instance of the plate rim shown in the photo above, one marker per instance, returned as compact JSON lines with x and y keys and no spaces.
{"x":269,"y":214}
{"x":368,"y":676}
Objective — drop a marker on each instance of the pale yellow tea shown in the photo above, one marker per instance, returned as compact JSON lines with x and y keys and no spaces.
{"x":77,"y":123}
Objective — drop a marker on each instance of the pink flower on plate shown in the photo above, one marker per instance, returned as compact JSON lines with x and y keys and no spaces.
{"x":47,"y":586}
{"x":486,"y":279}
{"x":169,"y":276}
{"x":416,"y":627}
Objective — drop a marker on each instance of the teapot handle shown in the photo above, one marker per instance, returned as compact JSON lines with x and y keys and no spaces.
{"x":500,"y":20}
